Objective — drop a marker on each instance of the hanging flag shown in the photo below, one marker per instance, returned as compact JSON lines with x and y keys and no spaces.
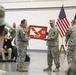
{"x":37,"y":32}
{"x":62,"y":22}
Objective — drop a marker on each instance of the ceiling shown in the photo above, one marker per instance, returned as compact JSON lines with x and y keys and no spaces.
{"x":9,"y":1}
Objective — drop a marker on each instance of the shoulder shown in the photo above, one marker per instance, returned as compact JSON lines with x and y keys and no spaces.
{"x":55,"y":29}
{"x":72,"y":28}
{"x":18,"y":28}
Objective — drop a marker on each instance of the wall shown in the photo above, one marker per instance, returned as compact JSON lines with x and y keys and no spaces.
{"x":38,"y":13}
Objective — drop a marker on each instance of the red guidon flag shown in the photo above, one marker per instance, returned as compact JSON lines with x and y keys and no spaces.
{"x":37,"y":32}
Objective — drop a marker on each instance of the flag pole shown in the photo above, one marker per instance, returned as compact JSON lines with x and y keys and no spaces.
{"x":62,"y":2}
{"x":63,"y":25}
{"x":62,"y":46}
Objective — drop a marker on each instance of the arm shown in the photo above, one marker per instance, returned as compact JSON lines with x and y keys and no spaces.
{"x":13,"y":44}
{"x":53,"y":35}
{"x":10,"y":31}
{"x":5,"y":31}
{"x":68,"y":34}
{"x":7,"y":25}
{"x":23,"y":35}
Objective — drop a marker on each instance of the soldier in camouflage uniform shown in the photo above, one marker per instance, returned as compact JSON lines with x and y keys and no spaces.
{"x":72,"y":58}
{"x":13,"y":31}
{"x":53,"y":50}
{"x":71,"y":41}
{"x":2,"y":25}
{"x":22,"y":42}
{"x":72,"y":68}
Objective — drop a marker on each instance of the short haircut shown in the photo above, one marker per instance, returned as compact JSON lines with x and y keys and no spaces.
{"x":22,"y":21}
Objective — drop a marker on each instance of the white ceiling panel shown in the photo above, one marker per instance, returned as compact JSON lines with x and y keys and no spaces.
{"x":10,"y":1}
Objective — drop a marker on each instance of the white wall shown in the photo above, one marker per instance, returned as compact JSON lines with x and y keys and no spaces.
{"x":38,"y":16}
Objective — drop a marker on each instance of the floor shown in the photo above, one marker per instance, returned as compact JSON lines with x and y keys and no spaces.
{"x":35,"y":66}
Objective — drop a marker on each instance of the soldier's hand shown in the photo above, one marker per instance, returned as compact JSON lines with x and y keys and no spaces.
{"x":15,"y":46}
{"x":66,"y":45}
{"x":44,"y":39}
{"x":27,"y":30}
{"x":29,"y":38}
{"x":5,"y":46}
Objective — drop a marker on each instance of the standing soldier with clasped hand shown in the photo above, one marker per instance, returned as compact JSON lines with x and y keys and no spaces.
{"x":22,"y":42}
{"x":53,"y":50}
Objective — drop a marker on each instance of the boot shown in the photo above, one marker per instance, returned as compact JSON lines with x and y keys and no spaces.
{"x":47,"y":69}
{"x":56,"y":70}
{"x":18,"y":68}
{"x":21,"y":69}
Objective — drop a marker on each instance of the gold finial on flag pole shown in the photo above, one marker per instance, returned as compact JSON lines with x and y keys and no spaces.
{"x":62,"y":3}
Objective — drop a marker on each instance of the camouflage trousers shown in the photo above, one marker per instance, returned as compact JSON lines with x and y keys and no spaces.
{"x":21,"y":54}
{"x":53,"y":54}
{"x":72,"y":68}
{"x":70,"y":54}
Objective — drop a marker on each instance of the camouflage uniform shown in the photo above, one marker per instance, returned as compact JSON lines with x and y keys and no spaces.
{"x":5,"y":31}
{"x":2,"y":25}
{"x":71,"y":39}
{"x":72,"y":68}
{"x":12,"y":32}
{"x":22,"y":40}
{"x":53,"y":50}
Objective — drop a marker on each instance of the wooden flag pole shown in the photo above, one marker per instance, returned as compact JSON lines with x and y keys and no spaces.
{"x":62,"y":47}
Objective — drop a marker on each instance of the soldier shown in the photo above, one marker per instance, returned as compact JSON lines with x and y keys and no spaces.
{"x":71,"y":41}
{"x":53,"y":50}
{"x":13,"y":31}
{"x":72,"y":68}
{"x":22,"y":42}
{"x":2,"y":25}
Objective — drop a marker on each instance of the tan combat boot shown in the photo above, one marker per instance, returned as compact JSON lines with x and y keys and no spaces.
{"x":56,"y":70}
{"x":47,"y":69}
{"x":18,"y":68}
{"x":21,"y":69}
